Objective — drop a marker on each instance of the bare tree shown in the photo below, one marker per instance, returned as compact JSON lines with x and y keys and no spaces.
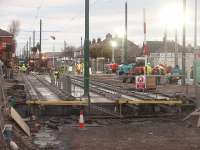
{"x":69,"y":51}
{"x":14,"y":27}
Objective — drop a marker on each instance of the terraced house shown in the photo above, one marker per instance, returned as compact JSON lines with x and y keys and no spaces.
{"x":6,"y":46}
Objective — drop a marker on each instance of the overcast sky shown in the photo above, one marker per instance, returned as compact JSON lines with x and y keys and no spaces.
{"x":107,"y":16}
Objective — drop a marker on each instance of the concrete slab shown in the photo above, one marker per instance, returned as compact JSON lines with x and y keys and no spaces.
{"x":46,"y":93}
{"x":19,"y":120}
{"x":78,"y":92}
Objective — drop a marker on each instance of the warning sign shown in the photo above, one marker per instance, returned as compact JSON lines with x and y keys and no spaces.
{"x":140,"y":82}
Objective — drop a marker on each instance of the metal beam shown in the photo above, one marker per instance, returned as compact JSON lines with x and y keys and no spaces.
{"x":195,"y":26}
{"x":58,"y":102}
{"x":150,"y":102}
{"x":33,"y":38}
{"x":86,"y":50}
{"x":145,"y":40}
{"x":27,"y":47}
{"x":195,"y":52}
{"x":40,"y":47}
{"x":176,"y":49}
{"x":184,"y":42}
{"x":125,"y":35}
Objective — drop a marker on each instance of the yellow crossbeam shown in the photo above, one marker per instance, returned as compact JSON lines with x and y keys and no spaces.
{"x":120,"y":101}
{"x":151,"y":102}
{"x":57,"y":102}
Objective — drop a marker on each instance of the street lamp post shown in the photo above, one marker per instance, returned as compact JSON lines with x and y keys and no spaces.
{"x":86,"y":50}
{"x":125,"y":35}
{"x":53,"y":38}
{"x":184,"y":42}
{"x":53,"y":54}
{"x":114,"y":45}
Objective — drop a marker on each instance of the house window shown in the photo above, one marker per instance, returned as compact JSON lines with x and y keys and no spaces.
{"x":4,"y":44}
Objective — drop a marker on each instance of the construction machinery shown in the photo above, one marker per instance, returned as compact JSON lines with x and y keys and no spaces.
{"x":36,"y":64}
{"x":132,"y":70}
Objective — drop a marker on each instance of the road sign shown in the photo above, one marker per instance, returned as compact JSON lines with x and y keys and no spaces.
{"x":140,"y":82}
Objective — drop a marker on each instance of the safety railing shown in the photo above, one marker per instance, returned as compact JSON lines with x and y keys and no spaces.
{"x":160,"y":79}
{"x":63,"y":83}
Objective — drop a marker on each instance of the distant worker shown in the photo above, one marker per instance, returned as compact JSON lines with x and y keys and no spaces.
{"x":149,"y":69}
{"x":79,"y":68}
{"x":23,"y":68}
{"x":56,"y":76}
{"x":156,"y":72}
{"x":192,"y":73}
{"x":82,"y":67}
{"x":62,"y":71}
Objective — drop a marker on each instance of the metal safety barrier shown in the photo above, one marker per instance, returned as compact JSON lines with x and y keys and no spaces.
{"x":64,"y":83}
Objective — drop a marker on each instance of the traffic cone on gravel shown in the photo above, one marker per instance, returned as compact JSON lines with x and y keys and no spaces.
{"x":81,"y":121}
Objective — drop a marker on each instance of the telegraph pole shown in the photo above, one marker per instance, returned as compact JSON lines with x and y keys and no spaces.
{"x":145,"y":37}
{"x":24,"y":53}
{"x":34,"y":38}
{"x":176,"y":49}
{"x":184,"y":42}
{"x":29,"y":46}
{"x":125,"y":36}
{"x":27,"y":51}
{"x":86,"y":51}
{"x":40,"y":47}
{"x":81,"y":42}
{"x":81,"y":53}
{"x":195,"y":26}
{"x":195,"y":52}
{"x":165,"y":44}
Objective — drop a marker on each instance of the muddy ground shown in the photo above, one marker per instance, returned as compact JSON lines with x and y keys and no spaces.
{"x":148,"y":135}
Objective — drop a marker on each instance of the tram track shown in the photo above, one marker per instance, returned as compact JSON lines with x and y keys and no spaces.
{"x":37,"y":90}
{"x":129,"y":95}
{"x":105,"y":90}
{"x":121,"y":92}
{"x":34,"y":81}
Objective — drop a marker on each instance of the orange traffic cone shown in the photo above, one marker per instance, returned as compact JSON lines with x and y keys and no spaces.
{"x":81,"y":121}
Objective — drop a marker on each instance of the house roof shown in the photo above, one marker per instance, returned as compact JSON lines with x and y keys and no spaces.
{"x":159,"y":46}
{"x":55,"y":54}
{"x":155,"y":46}
{"x":50,"y":54}
{"x":4,"y":33}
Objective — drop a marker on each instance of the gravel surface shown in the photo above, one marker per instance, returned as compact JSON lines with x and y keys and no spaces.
{"x":149,"y":135}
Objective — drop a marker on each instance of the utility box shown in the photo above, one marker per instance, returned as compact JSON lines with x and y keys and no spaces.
{"x":93,"y":66}
{"x":150,"y":82}
{"x":100,"y":64}
{"x":197,"y":71}
{"x":145,"y":82}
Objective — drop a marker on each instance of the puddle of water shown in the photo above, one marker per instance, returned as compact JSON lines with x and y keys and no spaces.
{"x":46,"y":138}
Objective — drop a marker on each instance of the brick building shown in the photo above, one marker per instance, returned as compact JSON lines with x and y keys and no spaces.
{"x":6,"y":44}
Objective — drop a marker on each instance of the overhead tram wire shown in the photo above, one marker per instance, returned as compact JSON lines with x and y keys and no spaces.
{"x":92,"y":4}
{"x":37,"y":13}
{"x":78,"y":16}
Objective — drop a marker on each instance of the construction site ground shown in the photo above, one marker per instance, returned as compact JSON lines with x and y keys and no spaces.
{"x":161,"y":133}
{"x":147,"y":135}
